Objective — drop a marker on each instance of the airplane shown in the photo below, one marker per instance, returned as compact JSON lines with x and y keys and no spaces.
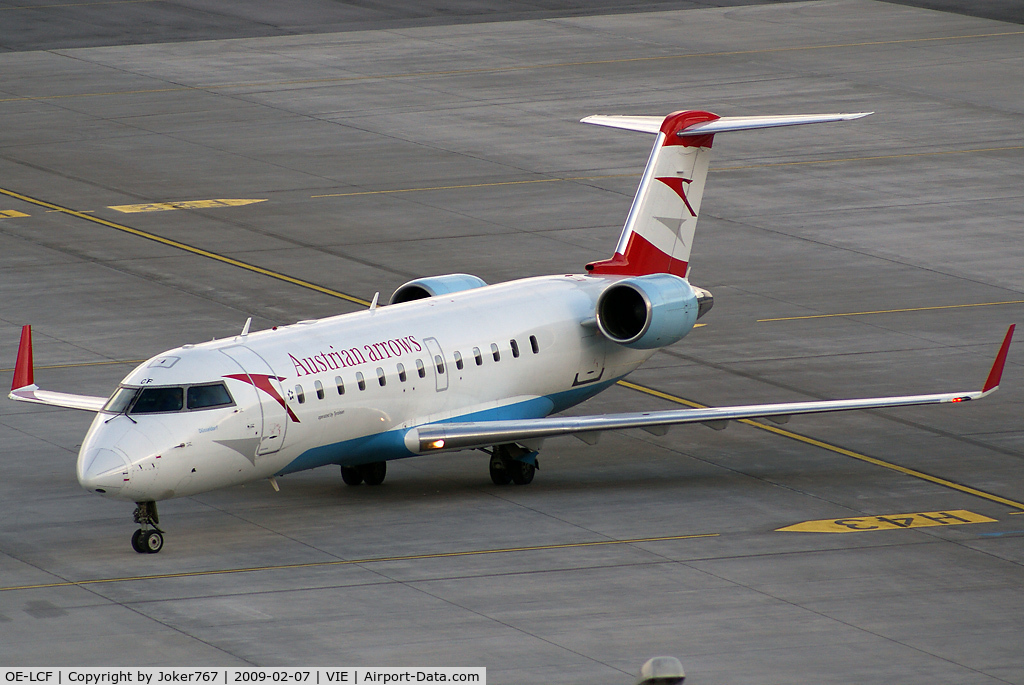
{"x":451,"y":363}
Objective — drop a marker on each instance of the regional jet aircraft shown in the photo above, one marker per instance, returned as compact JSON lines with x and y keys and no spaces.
{"x":451,"y":363}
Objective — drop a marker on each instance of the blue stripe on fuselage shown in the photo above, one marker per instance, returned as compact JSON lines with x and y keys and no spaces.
{"x":391,"y":444}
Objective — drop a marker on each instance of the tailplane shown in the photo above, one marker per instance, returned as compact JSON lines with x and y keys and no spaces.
{"x":659,"y":229}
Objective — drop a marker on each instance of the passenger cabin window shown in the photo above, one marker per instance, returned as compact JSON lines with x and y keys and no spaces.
{"x":380,"y":377}
{"x":156,"y":400}
{"x":439,"y":363}
{"x":207,"y":396}
{"x":420,"y":369}
{"x":495,"y":353}
{"x":458,"y":360}
{"x":401,"y":373}
{"x":319,"y":389}
{"x":534,"y":344}
{"x":478,"y":357}
{"x":300,"y":394}
{"x":341,"y":385}
{"x":360,"y":381}
{"x":515,"y":348}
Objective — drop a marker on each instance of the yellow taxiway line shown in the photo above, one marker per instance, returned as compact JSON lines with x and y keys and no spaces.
{"x":835,"y":448}
{"x":353,"y":562}
{"x":892,"y":311}
{"x":187,"y":248}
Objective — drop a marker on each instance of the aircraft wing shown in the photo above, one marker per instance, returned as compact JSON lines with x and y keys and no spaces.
{"x":23,"y":389}
{"x":454,"y":436}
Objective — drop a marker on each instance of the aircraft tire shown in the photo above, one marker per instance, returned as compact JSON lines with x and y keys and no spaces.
{"x":137,"y":543}
{"x":351,"y":475}
{"x":499,"y":468}
{"x":153,"y":541}
{"x":373,"y":474}
{"x":522,"y":473}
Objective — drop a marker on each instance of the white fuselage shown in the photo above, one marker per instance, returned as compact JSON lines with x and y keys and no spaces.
{"x":345,"y":389}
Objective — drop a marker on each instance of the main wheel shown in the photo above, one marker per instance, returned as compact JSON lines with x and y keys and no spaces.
{"x":500,"y":474}
{"x":352,"y":475}
{"x":153,"y":541}
{"x":137,"y":543}
{"x":373,"y":474}
{"x":522,"y":472}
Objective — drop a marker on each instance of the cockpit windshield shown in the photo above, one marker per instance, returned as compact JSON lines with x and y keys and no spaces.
{"x":154,"y":400}
{"x":160,"y":400}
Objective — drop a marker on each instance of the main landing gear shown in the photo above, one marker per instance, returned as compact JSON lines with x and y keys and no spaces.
{"x":371,"y":474}
{"x":512,"y":463}
{"x":144,"y":540}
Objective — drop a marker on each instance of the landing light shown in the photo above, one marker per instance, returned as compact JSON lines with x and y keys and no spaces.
{"x":437,"y":444}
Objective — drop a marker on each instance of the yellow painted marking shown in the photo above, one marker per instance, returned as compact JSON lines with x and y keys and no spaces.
{"x":351,"y":562}
{"x":11,"y":214}
{"x":187,"y":204}
{"x":892,"y":311}
{"x":526,"y":67}
{"x":955,"y":517}
{"x":835,"y":448}
{"x":188,"y":248}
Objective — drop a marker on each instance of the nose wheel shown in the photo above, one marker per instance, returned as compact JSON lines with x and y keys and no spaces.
{"x":149,"y":539}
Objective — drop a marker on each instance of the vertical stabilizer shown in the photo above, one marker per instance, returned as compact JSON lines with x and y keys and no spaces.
{"x":661,"y":223}
{"x":660,"y":226}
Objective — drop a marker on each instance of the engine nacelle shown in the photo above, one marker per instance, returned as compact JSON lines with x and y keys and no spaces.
{"x":644,"y":312}
{"x":435,"y":285}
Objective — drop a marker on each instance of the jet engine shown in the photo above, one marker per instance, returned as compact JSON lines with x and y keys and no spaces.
{"x":435,"y":285}
{"x":644,"y":312}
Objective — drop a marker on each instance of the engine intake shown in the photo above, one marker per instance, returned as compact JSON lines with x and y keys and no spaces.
{"x":644,"y":312}
{"x":435,"y":285}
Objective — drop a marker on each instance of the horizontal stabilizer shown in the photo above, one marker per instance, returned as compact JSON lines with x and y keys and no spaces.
{"x":647,"y":124}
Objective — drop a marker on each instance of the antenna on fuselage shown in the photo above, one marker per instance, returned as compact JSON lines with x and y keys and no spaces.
{"x":373,"y":305}
{"x":245,"y":328}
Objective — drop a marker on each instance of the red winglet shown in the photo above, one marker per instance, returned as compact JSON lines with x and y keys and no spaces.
{"x":23,"y":369}
{"x":997,"y":367}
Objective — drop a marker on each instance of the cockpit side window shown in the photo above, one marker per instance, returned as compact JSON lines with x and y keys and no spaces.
{"x":208,"y":396}
{"x":120,"y":400}
{"x":154,"y":400}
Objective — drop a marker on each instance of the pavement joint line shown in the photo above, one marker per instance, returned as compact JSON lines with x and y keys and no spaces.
{"x":187,"y":248}
{"x":527,"y":67}
{"x":352,"y":562}
{"x":713,"y":169}
{"x":834,"y":448}
{"x":75,"y":4}
{"x":892,"y":311}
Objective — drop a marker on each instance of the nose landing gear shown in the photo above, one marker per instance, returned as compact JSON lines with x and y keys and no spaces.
{"x":144,"y":540}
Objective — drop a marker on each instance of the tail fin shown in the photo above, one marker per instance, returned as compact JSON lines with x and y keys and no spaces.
{"x":661,"y":223}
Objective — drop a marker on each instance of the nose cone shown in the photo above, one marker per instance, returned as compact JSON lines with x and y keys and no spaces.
{"x":103,"y":470}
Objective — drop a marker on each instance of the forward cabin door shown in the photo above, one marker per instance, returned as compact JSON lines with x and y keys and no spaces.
{"x":272,"y":404}
{"x":438,"y":363}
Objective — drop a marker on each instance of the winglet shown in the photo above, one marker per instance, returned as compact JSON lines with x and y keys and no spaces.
{"x":992,"y":382}
{"x":23,"y":369}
